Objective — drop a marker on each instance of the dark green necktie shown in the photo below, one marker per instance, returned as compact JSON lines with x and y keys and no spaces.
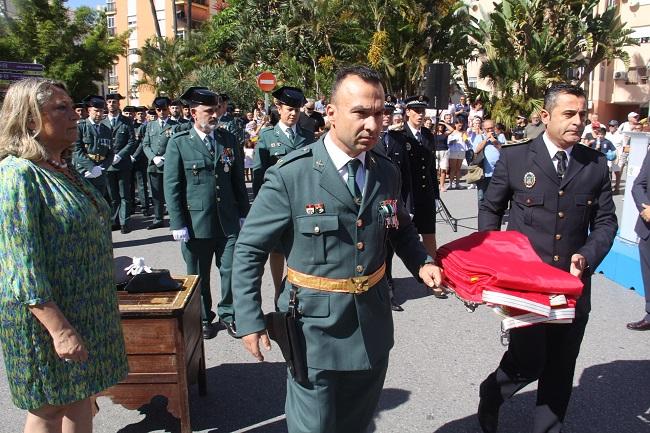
{"x":209,"y":142}
{"x":113,"y":121}
{"x":353,"y":167}
{"x":291,"y":135}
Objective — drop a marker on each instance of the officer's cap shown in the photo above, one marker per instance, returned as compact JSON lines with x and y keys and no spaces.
{"x":129,"y":109}
{"x":201,"y":96}
{"x":116,"y":96}
{"x":389,"y":106}
{"x":79,"y":105}
{"x":95,"y":101}
{"x":161,"y":102}
{"x":291,"y":96}
{"x":152,"y":112}
{"x":417,"y":101}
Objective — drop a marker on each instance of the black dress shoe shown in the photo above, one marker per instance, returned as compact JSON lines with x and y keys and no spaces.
{"x":230,"y":327}
{"x":146,"y":212}
{"x":209,"y":331}
{"x":488,"y":416}
{"x":115,"y":227}
{"x":124,"y":230}
{"x":641,"y":325}
{"x":395,"y":306}
{"x":156,"y":225}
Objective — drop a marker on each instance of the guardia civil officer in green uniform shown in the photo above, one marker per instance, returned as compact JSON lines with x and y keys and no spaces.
{"x":332,"y":206}
{"x":139,"y":177}
{"x":93,"y":151}
{"x":207,"y":201}
{"x":176,"y":112}
{"x":275,"y":143}
{"x":118,"y":174}
{"x":154,"y":145}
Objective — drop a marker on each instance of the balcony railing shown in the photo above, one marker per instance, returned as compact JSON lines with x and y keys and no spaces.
{"x":111,"y":31}
{"x":110,"y":8}
{"x":112,"y":82}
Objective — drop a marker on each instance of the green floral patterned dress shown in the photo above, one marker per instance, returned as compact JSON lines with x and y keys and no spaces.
{"x":55,"y":245}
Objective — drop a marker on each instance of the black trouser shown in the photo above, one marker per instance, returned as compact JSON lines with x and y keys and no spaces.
{"x":119,"y":192}
{"x":546,"y":353}
{"x":158,"y":194}
{"x":140,"y":179}
{"x":644,"y":254}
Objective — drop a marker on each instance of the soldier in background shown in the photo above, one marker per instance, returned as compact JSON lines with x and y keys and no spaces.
{"x":81,"y":110}
{"x":139,"y":176}
{"x":93,"y":150}
{"x":118,"y":173}
{"x":154,"y":145}
{"x":275,"y":143}
{"x":176,"y":112}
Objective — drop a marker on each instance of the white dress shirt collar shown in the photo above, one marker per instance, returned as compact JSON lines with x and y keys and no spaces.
{"x":414,"y":131}
{"x":553,"y":149}
{"x":284,"y":128}
{"x":202,"y":134}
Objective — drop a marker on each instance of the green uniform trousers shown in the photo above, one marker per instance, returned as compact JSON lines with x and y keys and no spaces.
{"x":158,"y":195}
{"x":335,"y":401}
{"x":119,"y":192}
{"x":198,"y":254}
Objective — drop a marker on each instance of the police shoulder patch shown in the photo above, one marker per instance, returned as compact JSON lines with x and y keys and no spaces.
{"x":518,"y":142}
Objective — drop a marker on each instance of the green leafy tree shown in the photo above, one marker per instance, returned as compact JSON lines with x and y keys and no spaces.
{"x":531,"y":43}
{"x":75,"y":49}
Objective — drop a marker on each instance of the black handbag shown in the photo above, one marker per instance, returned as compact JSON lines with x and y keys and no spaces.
{"x":282,"y":328}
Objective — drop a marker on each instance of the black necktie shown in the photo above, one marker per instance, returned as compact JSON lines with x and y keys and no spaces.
{"x":353,"y":166}
{"x":418,"y":137}
{"x":561,"y":163}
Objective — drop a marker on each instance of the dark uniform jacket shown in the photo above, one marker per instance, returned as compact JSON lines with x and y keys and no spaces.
{"x":561,"y":217}
{"x":124,"y":142}
{"x":423,"y":166}
{"x":272,"y":145}
{"x":341,"y":331}
{"x":201,"y":193}
{"x":94,"y":146}
{"x":641,"y":195}
{"x":154,"y":142}
{"x":393,"y":144}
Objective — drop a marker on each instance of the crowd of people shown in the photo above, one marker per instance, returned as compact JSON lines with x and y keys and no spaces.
{"x":338,"y":188}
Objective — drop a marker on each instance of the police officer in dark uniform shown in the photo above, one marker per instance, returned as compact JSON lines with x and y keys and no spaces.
{"x":93,"y":150}
{"x":118,"y":174}
{"x":207,"y":201}
{"x":154,"y":144}
{"x":561,"y":198}
{"x":273,"y":144}
{"x":139,"y":176}
{"x":420,"y":146}
{"x":393,"y":144}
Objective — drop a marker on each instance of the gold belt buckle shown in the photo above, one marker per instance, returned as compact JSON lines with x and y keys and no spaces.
{"x":359,"y":284}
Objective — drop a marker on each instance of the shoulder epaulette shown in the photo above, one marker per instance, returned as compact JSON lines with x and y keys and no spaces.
{"x":295,"y":155}
{"x":517,"y":142}
{"x":181,"y":132}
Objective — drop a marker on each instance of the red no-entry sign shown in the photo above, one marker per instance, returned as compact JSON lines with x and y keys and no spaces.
{"x":266,"y":81}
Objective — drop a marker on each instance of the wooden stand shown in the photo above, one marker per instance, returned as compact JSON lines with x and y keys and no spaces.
{"x":164,"y":346}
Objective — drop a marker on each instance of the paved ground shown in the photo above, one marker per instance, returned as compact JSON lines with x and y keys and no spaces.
{"x":441,"y":355}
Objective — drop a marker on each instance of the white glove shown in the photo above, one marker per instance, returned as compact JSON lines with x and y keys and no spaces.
{"x":96,"y":171}
{"x":241,"y":222}
{"x":181,"y":235}
{"x":159,"y":160}
{"x":132,"y":158}
{"x":116,"y":159}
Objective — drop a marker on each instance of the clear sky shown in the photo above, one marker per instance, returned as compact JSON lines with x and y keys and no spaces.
{"x":91,"y":3}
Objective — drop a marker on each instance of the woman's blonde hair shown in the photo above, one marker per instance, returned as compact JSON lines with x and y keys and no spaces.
{"x":23,"y":104}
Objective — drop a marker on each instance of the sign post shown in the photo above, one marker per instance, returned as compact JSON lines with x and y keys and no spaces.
{"x":266,"y":82}
{"x":16,"y":71}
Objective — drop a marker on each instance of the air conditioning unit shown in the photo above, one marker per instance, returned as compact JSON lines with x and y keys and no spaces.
{"x":620,"y":75}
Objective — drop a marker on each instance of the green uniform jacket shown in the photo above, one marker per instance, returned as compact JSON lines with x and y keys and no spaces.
{"x":92,"y":141}
{"x":154,"y":142}
{"x":272,"y":145}
{"x":341,"y":331}
{"x":124,"y":143}
{"x":200,"y":193}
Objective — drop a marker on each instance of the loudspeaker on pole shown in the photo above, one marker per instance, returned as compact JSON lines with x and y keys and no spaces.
{"x":436,"y":84}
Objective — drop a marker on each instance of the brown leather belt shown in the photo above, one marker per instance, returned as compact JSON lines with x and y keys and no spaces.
{"x":96,"y":157}
{"x":353,"y":285}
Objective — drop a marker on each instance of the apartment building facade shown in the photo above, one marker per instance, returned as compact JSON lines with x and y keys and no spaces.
{"x":137,"y":17}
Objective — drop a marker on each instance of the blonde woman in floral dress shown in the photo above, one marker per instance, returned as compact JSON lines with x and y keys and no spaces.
{"x":59,"y":322}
